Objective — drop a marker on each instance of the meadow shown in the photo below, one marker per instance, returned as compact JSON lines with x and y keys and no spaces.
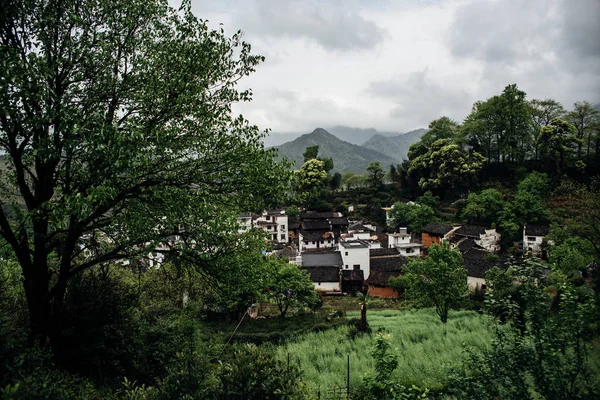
{"x":426,"y":349}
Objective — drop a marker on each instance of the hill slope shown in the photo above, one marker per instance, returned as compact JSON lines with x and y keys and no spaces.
{"x":395,"y":146}
{"x":347,"y":157}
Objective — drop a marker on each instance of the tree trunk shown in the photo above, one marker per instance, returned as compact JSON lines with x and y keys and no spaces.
{"x":38,"y":304}
{"x":363,"y":327}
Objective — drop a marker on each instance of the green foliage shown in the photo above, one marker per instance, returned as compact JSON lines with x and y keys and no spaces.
{"x":484,"y":207}
{"x":411,"y":215}
{"x":428,"y":199}
{"x":446,"y":166}
{"x":120,"y":150}
{"x":254,"y":373}
{"x":439,"y":280}
{"x":542,"y":349}
{"x":289,"y":286}
{"x":381,"y":385}
{"x":557,"y":142}
{"x":441,"y":128}
{"x":310,"y":153}
{"x":375,"y":175}
{"x":425,"y":348}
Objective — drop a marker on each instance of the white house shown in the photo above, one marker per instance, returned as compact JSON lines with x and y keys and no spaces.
{"x":404,"y":243}
{"x":533,"y":236}
{"x":275,"y":223}
{"x":355,"y":256}
{"x":487,"y":238}
{"x":311,"y":240}
{"x":324,"y":268}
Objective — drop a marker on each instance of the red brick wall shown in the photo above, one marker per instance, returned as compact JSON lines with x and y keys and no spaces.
{"x":428,"y":240}
{"x":386,"y":292}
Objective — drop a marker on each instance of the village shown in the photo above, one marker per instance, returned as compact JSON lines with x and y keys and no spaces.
{"x":345,"y":256}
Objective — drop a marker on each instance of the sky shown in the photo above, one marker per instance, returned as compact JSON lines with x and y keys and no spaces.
{"x":395,"y":65}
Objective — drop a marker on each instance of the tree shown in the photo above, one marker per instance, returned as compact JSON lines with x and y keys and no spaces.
{"x":363,"y":301}
{"x":542,"y":113}
{"x":484,"y":207}
{"x":411,"y":215}
{"x":375,"y":175}
{"x":440,"y":279}
{"x":289,"y":286}
{"x":441,"y":128}
{"x":310,"y":153}
{"x":558,"y":142}
{"x":585,"y":120}
{"x":116,"y":121}
{"x":447,"y":167}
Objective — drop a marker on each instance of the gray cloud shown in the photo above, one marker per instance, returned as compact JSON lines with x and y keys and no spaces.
{"x":418,"y":99}
{"x":334,"y":25}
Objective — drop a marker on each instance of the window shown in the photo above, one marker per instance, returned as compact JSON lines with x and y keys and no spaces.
{"x":313,"y":243}
{"x":346,"y":253}
{"x":531,"y":238}
{"x":283,"y":227}
{"x":282,"y":236}
{"x":356,"y":266}
{"x":346,"y":267}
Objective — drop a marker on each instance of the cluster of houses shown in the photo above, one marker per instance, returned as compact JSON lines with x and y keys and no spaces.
{"x":343,"y":256}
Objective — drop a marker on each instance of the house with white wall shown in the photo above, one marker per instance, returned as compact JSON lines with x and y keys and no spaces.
{"x":274,"y":222}
{"x":324,"y":268}
{"x":487,"y":238}
{"x":533,"y":238}
{"x":355,"y":256}
{"x":404,"y":243}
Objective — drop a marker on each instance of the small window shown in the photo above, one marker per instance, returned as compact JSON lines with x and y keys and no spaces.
{"x":531,"y":238}
{"x":346,"y":253}
{"x":346,"y":267}
{"x":356,"y":266}
{"x":313,"y":243}
{"x":282,"y":236}
{"x":283,"y":227}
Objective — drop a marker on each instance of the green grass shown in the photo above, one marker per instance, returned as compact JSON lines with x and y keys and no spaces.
{"x":426,"y":349}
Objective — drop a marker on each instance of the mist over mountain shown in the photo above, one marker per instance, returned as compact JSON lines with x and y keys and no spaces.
{"x":347,"y":157}
{"x":394,"y":146}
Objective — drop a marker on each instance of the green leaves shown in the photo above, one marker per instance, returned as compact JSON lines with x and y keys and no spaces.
{"x":440,"y":279}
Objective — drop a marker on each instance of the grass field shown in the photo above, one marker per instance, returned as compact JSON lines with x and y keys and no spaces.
{"x":426,"y":348}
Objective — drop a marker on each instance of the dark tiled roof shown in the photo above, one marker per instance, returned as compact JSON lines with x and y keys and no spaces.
{"x":313,"y":236}
{"x":470,"y":231}
{"x":357,"y":226}
{"x":537,"y":230}
{"x":294,"y":226}
{"x":433,"y":228}
{"x":383,"y":252}
{"x":380,"y":278}
{"x":339,"y":221}
{"x":320,"y":215}
{"x":322,"y":259}
{"x":288,"y":251}
{"x":395,"y":263}
{"x":274,"y":212}
{"x":353,"y":275}
{"x":466,"y":245}
{"x":323,"y":274}
{"x":315,"y":224}
{"x":477,"y":263}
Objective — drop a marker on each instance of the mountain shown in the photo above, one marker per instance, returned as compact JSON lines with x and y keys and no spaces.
{"x":394,"y":146}
{"x":276,"y":138}
{"x":356,"y":135}
{"x":347,"y":157}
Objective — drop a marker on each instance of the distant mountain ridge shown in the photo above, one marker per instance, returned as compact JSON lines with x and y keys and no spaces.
{"x":347,"y":157}
{"x":394,"y":146}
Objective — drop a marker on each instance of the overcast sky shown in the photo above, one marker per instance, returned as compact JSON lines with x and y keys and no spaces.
{"x":397,"y":64}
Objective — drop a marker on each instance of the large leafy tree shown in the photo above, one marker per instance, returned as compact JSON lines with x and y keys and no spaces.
{"x":439,"y":280}
{"x":542,"y":113}
{"x":447,"y":166}
{"x":484,"y":207}
{"x":289,"y":286}
{"x":411,"y":215}
{"x":558,"y":142}
{"x":115,"y":117}
{"x":585,"y":119}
